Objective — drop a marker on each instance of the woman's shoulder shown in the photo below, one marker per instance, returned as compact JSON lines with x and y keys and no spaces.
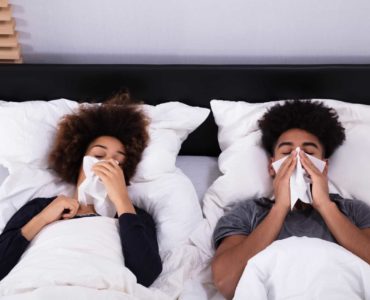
{"x":144,"y":216}
{"x":39,"y":202}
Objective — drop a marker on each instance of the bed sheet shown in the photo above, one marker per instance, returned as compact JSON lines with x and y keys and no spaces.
{"x":202,"y":171}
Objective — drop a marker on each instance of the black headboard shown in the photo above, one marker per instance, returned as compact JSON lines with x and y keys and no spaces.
{"x":191,"y":84}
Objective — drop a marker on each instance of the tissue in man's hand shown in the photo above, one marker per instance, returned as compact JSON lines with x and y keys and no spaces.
{"x":300,"y":183}
{"x":92,"y":190}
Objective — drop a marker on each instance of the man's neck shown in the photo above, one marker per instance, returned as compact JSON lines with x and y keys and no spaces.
{"x":299,"y":205}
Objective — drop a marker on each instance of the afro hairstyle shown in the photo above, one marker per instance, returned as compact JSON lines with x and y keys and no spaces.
{"x":118,"y":117}
{"x":311,"y":116}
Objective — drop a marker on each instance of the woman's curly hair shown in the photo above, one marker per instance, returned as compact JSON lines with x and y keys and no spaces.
{"x":118,"y":117}
{"x":311,"y":116}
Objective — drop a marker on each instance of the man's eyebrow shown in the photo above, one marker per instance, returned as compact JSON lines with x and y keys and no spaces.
{"x":305,"y":144}
{"x":285,"y":144}
{"x":104,"y":147}
{"x":310,"y":144}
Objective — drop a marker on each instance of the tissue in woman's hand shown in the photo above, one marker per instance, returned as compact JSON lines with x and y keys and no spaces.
{"x":300,"y":183}
{"x":92,"y":190}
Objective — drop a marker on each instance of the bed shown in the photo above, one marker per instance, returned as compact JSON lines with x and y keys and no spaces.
{"x":194,"y":85}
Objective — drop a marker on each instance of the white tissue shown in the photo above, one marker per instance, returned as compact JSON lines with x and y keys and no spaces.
{"x":92,"y":190}
{"x":300,"y":183}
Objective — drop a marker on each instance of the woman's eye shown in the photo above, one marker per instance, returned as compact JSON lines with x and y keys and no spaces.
{"x":310,"y":153}
{"x":286,"y":153}
{"x":98,"y":156}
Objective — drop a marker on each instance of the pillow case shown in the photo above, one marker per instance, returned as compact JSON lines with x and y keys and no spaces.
{"x":27,"y":128}
{"x":152,"y":187}
{"x":244,"y":163}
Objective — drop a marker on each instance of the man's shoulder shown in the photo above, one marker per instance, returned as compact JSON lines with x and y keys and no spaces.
{"x":262,"y":203}
{"x":347,"y":205}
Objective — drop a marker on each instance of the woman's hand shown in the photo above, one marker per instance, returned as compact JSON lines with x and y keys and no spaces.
{"x":114,"y":181}
{"x":320,"y":188}
{"x":56,"y":210}
{"x":282,"y":180}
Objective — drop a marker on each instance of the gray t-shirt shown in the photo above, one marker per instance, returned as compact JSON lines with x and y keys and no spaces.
{"x":243,"y":218}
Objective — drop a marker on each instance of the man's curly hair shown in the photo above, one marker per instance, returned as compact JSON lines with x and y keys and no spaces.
{"x":118,"y":117}
{"x":311,"y":116}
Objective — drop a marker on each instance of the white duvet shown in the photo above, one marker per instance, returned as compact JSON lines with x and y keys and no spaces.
{"x":305,"y":268}
{"x":82,"y":259}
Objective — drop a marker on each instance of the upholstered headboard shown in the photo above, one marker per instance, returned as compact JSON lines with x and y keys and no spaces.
{"x":191,"y":84}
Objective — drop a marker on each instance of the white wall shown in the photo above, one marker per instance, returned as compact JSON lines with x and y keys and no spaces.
{"x":198,"y":31}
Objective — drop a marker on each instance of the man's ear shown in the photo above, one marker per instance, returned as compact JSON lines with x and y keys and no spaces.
{"x":326,"y":169}
{"x":271,"y":169}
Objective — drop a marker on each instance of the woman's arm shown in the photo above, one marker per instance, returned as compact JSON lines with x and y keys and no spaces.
{"x":13,"y":242}
{"x":28,"y":222}
{"x":137,"y":228}
{"x":140,"y":247}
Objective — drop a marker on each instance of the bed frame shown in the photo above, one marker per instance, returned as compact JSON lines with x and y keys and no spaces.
{"x":191,"y":84}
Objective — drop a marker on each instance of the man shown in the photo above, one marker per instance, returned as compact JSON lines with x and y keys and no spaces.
{"x":252,"y":225}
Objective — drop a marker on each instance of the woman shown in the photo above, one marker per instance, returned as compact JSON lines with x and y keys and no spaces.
{"x":116,"y":134}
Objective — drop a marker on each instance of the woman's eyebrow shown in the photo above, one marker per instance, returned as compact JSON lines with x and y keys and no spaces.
{"x":101,"y":146}
{"x":104,"y":147}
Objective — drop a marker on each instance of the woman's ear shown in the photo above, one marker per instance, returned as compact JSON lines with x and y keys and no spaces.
{"x":270,"y":168}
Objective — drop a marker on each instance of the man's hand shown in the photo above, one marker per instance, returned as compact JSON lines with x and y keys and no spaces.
{"x":114,"y":181}
{"x":320,"y":188}
{"x":281,"y":182}
{"x":56,"y":210}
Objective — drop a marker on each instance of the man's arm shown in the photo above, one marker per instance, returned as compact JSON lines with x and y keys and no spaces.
{"x":366,"y":231}
{"x":345,"y":232}
{"x":234,"y":252}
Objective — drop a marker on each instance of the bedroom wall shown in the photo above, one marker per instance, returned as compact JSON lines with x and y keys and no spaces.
{"x":201,"y":31}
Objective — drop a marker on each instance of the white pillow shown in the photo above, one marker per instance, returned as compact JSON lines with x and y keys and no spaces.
{"x":27,"y":128}
{"x":201,"y":170}
{"x":3,"y":173}
{"x":158,"y":186}
{"x":244,"y":163}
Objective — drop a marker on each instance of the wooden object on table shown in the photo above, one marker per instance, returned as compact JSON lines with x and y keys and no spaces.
{"x":10,"y":51}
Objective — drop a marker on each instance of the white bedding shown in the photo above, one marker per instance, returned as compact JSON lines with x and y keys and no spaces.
{"x":29,"y":282}
{"x":79,"y":256}
{"x":60,"y":249}
{"x":82,"y":252}
{"x":305,"y":268}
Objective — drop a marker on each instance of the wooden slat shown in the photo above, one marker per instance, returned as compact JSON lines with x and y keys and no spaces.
{"x":7,"y":27}
{"x":5,"y":13}
{"x":4,"y":3}
{"x":11,"y":61}
{"x":10,"y":53}
{"x":9,"y":40}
